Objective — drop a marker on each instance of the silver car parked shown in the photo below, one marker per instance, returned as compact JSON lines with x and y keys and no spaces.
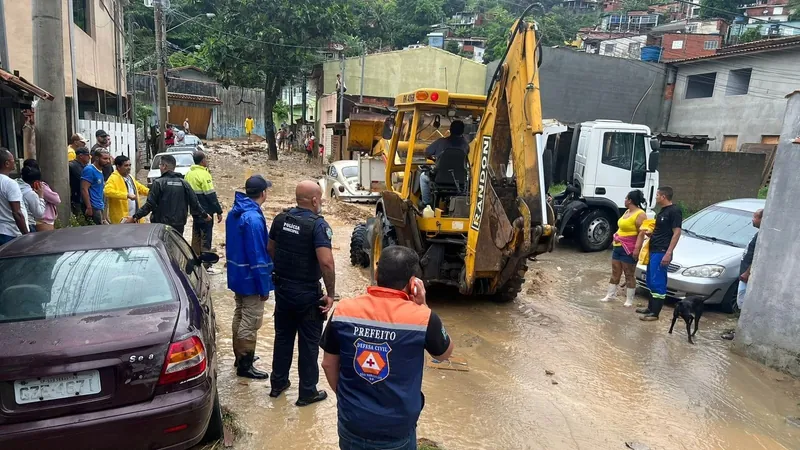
{"x":341,"y":182}
{"x":707,"y":258}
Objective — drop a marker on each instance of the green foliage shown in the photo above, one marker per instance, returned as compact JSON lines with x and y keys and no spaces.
{"x":794,"y":9}
{"x":452,"y":47}
{"x":497,"y":32}
{"x":750,"y":35}
{"x":179,"y":59}
{"x":144,"y":112}
{"x":725,"y":9}
{"x":762,"y":193}
{"x":280,"y":111}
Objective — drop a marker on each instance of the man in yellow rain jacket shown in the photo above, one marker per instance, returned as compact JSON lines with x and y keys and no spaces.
{"x":248,"y":126}
{"x":123,"y":191}
{"x":199,"y":178}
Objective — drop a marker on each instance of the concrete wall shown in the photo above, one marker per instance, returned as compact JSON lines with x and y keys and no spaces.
{"x":769,"y":326}
{"x":750,"y":116}
{"x":94,"y":52}
{"x":577,"y":87}
{"x":392,"y":73}
{"x":702,"y":178}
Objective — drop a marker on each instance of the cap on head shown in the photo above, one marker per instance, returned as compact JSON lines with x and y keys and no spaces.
{"x":101,"y":133}
{"x":77,"y":137}
{"x":255,"y":185}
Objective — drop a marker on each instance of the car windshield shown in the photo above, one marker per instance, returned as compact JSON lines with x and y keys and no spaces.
{"x":182,"y":160}
{"x":727,"y":225}
{"x":191,"y":139}
{"x":350,"y":171}
{"x":43,"y":287}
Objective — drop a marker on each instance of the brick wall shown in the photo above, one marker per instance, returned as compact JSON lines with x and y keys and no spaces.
{"x":702,"y":178}
{"x":693,"y":45}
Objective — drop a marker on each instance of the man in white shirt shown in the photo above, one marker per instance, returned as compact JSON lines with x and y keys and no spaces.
{"x":13,"y":219}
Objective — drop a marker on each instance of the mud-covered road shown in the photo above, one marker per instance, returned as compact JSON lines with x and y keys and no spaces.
{"x":615,"y":379}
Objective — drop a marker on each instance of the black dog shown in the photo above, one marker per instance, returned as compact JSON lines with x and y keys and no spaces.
{"x":689,"y":309}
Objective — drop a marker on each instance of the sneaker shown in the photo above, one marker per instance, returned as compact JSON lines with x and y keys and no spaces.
{"x":649,"y":317}
{"x":213,"y":271}
{"x":644,"y":310}
{"x":729,"y":335}
{"x":321,"y":395}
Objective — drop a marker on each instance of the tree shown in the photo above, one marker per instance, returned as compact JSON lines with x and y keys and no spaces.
{"x":725,"y":9}
{"x":794,"y":9}
{"x":452,"y":47}
{"x":264,"y":44}
{"x":281,"y":110}
{"x":750,"y":35}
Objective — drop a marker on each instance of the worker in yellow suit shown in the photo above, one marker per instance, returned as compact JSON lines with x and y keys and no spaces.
{"x":248,"y":126}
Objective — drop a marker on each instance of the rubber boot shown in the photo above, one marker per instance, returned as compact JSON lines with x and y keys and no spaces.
{"x":246,"y":368}
{"x":611,"y":294}
{"x":629,"y":294}
{"x":655,"y":310}
{"x":649,"y":306}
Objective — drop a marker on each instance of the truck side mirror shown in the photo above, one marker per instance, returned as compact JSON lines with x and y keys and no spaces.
{"x":655,"y":144}
{"x":387,"y":128}
{"x":652,"y":165}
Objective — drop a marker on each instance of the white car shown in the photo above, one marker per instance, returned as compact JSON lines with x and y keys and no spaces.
{"x":183,"y":159}
{"x":193,"y":140}
{"x":341,"y":182}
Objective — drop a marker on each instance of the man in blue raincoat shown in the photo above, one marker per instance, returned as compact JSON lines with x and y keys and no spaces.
{"x":249,"y":271}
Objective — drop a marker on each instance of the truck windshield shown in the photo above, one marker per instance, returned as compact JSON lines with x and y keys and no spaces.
{"x":82,"y":282}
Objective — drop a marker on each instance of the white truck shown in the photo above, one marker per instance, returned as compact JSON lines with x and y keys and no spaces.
{"x":607,"y":159}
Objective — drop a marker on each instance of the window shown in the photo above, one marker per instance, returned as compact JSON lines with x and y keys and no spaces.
{"x":691,"y":28}
{"x":770,"y":139}
{"x":332,"y":172}
{"x":609,"y":49}
{"x":777,"y":11}
{"x":81,"y":15}
{"x":634,"y":49}
{"x":44,"y":287}
{"x":700,"y":86}
{"x":729,"y":143}
{"x":350,"y":171}
{"x":639,"y":169}
{"x":618,"y":149}
{"x":738,"y":82}
{"x":677,"y":45}
{"x":727,"y":225}
{"x":710,"y":45}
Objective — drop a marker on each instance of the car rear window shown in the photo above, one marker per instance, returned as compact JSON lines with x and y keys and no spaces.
{"x":84,"y":282}
{"x":181,"y":160}
{"x":350,"y":171}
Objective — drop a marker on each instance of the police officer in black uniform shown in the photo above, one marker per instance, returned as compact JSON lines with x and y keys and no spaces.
{"x":300,"y":247}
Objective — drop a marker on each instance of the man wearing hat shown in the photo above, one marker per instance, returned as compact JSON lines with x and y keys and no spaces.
{"x":249,"y":271}
{"x":75,"y":142}
{"x":300,"y":246}
{"x":103,"y":143}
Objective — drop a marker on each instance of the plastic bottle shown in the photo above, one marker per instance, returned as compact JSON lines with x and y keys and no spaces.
{"x":427,"y":212}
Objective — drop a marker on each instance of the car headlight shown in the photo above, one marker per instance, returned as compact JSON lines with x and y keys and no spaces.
{"x":704,"y":271}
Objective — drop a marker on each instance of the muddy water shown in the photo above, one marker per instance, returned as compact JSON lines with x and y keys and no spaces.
{"x":616,"y":379}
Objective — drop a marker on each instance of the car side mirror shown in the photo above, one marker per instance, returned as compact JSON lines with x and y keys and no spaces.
{"x":652,"y":165}
{"x":437,"y":121}
{"x":208,"y":258}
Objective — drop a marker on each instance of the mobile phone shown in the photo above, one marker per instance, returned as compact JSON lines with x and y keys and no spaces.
{"x":414,"y":288}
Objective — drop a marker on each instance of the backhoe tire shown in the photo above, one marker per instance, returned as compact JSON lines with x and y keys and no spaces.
{"x":595,"y":231}
{"x":513,"y":286}
{"x":359,"y":256}
{"x":383,"y":235}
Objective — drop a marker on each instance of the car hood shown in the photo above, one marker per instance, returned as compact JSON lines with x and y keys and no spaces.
{"x":692,"y":251}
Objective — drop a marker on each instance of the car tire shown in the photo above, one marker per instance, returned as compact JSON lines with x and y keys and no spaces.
{"x":359,"y":241}
{"x":729,"y":304}
{"x":333,"y":194}
{"x":595,"y":231}
{"x":215,"y":428}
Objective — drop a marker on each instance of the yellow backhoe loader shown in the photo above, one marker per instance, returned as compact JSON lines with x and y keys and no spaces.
{"x":489,"y":212}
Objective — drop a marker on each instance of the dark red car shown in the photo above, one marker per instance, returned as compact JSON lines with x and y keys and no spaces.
{"x":107,"y":340}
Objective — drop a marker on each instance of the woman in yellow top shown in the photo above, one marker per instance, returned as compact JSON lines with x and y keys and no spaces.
{"x":623,"y":258}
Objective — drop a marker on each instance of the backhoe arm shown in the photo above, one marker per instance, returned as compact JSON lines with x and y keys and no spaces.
{"x":508,"y":217}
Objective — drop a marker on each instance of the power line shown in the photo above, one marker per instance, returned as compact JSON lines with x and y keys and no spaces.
{"x":710,"y":8}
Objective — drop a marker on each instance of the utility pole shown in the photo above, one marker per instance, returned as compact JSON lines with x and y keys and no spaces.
{"x":291,"y":104}
{"x":363,"y":61}
{"x":51,"y":117}
{"x":341,"y":89}
{"x":305,"y":88}
{"x":162,"y":81}
{"x":73,"y":69}
{"x":3,"y":39}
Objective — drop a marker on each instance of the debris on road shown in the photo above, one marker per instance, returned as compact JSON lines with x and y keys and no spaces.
{"x":636,"y":446}
{"x":549,"y":372}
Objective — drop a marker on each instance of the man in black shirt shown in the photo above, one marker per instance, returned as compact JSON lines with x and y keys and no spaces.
{"x":76,"y":166}
{"x":454,"y":140}
{"x":744,"y":267}
{"x":662,"y":243}
{"x":103,"y":143}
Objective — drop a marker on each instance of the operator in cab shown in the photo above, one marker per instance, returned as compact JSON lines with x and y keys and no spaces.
{"x":300,"y":247}
{"x":454,"y":140}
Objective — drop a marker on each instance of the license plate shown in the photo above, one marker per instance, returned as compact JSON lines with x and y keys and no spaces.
{"x":57,"y":387}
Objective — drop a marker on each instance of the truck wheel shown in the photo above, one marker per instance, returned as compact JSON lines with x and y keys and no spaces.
{"x":383,"y":235}
{"x":513,"y":286}
{"x":729,"y":304}
{"x":358,"y":242}
{"x":595,"y":231}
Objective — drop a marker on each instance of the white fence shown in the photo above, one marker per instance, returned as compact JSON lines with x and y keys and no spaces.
{"x":123,"y":137}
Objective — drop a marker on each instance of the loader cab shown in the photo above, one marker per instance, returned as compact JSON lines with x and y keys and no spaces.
{"x":422,"y":117}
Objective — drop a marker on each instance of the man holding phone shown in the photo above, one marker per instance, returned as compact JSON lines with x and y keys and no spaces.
{"x":374,"y":355}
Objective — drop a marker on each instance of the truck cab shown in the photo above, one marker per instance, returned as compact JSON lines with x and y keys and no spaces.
{"x":607,"y":159}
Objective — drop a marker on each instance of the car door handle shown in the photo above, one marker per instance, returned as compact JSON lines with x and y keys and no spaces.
{"x":600,"y":191}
